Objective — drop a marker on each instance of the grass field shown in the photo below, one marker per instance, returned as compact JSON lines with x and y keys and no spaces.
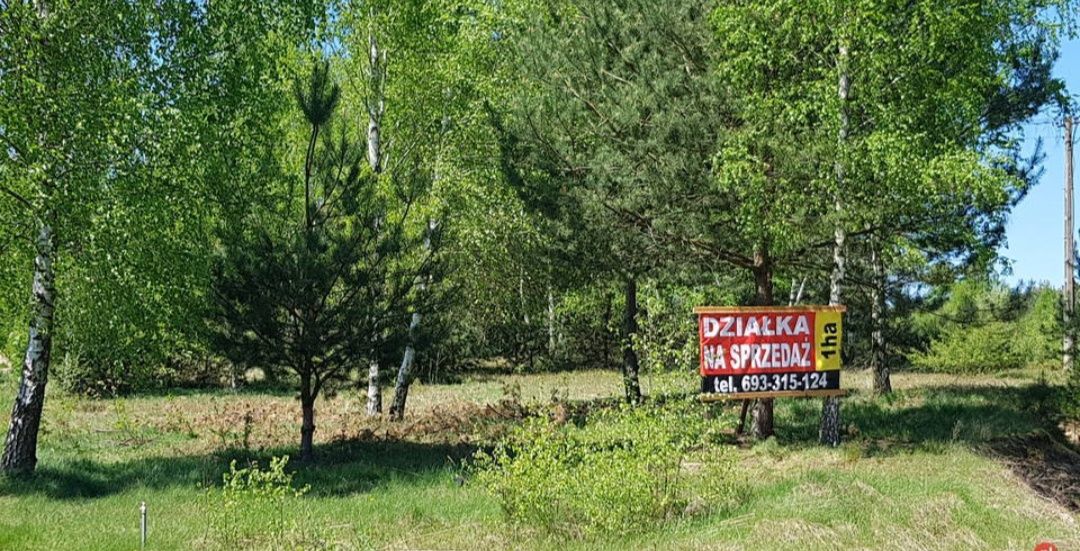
{"x":918,"y":469}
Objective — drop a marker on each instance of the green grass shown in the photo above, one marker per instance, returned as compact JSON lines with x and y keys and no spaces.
{"x":914,"y":472}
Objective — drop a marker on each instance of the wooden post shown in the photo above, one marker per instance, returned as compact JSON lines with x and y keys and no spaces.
{"x":742,"y":418}
{"x":1069,"y":291}
{"x":142,"y":525}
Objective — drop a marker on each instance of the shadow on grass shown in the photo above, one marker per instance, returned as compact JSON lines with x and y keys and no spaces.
{"x":926,"y":418}
{"x":920,"y":419}
{"x":277,"y":389}
{"x":340,"y":469}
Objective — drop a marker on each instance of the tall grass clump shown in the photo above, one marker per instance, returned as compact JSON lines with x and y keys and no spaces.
{"x":622,"y":471}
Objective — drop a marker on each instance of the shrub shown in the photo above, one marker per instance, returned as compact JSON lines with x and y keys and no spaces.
{"x":1039,"y":329}
{"x":976,"y":349}
{"x":251,"y":510}
{"x":624,"y":471}
{"x":667,"y":338}
{"x":986,"y":326}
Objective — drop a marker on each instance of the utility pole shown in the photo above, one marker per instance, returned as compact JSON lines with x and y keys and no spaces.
{"x":1069,"y":291}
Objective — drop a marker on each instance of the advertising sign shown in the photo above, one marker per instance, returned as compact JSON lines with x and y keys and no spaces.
{"x":775,"y":351}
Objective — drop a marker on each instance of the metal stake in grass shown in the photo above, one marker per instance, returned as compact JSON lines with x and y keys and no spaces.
{"x":142,"y":525}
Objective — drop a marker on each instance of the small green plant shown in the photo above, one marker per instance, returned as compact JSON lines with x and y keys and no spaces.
{"x":131,"y":434}
{"x":625,"y":471}
{"x":251,"y":508}
{"x":123,"y":422}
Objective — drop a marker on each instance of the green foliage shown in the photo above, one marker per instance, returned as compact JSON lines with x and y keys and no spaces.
{"x":667,"y":338}
{"x":624,"y":471}
{"x":982,"y":348}
{"x":984,"y":326}
{"x":147,"y":134}
{"x":254,"y":508}
{"x":1039,"y":329}
{"x":1067,"y":400}
{"x":668,"y":335}
{"x":313,"y":293}
{"x":587,"y":320}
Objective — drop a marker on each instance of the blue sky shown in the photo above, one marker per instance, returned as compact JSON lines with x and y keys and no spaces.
{"x":1035,"y":229}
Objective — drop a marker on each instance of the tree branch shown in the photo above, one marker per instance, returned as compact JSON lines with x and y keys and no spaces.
{"x":18,"y":198}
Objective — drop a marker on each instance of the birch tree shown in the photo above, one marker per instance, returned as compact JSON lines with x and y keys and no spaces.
{"x":932,"y":181}
{"x":418,"y":82}
{"x":375,"y":106}
{"x":829,"y":432}
{"x":68,"y":102}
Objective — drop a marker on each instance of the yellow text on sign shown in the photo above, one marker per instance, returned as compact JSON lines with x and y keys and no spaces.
{"x":828,"y":334}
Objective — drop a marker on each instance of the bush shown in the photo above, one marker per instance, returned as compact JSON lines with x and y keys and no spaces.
{"x":978,"y":349}
{"x":1039,"y":330}
{"x":624,"y":471}
{"x":668,"y":338}
{"x":985,"y":326}
{"x":252,"y":509}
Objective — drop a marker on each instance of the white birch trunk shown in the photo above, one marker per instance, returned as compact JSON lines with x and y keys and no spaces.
{"x":375,"y":108}
{"x":404,"y":375}
{"x":521,"y":298}
{"x":829,"y":430}
{"x":20,"y":447}
{"x":374,"y":390}
{"x":376,"y":103}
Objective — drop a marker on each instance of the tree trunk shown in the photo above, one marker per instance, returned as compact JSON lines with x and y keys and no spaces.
{"x":551,"y":321}
{"x":374,"y":390}
{"x":630,"y":358}
{"x":20,"y":447}
{"x":376,"y":104}
{"x":404,"y":375}
{"x":795,"y":297}
{"x":605,"y":334}
{"x":882,"y":384}
{"x":829,"y":430}
{"x":761,"y":420}
{"x":524,"y":304}
{"x":527,"y":343}
{"x":307,"y":426}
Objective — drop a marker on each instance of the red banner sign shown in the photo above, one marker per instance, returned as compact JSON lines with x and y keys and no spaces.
{"x":770,"y":349}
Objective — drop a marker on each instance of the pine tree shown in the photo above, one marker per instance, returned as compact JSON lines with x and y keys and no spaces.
{"x":312,"y":297}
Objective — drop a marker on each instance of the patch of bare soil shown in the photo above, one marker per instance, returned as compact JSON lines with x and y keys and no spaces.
{"x":1046,"y":465}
